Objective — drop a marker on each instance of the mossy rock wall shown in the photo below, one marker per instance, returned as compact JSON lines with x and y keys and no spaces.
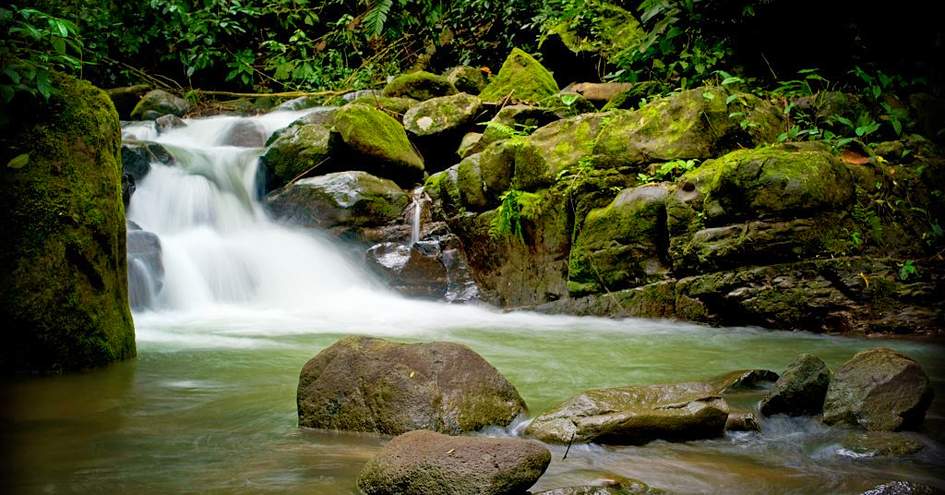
{"x":64,"y":295}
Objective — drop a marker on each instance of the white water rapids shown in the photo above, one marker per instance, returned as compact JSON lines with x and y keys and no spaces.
{"x":234,"y":272}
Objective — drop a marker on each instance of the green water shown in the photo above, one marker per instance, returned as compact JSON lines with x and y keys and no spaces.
{"x":192,"y":415}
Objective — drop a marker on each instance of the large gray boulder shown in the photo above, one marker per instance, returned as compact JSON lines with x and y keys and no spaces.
{"x":635,"y":415}
{"x":800,"y":390}
{"x":878,"y":390}
{"x":369,"y":384}
{"x":428,"y":463}
{"x":340,"y":201}
{"x":157,"y":103}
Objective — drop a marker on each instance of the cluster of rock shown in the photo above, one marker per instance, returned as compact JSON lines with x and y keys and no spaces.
{"x":427,"y":394}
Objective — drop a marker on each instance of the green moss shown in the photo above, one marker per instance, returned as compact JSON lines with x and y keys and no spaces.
{"x":442,"y":114}
{"x":297,"y":150}
{"x":557,"y":147}
{"x":64,"y":292}
{"x":521,"y":78}
{"x":396,"y":106}
{"x":419,"y":85}
{"x":377,"y":137}
{"x":610,"y":31}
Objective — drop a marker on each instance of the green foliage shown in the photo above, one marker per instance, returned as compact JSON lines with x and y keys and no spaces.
{"x":508,"y":218}
{"x":668,"y":171}
{"x":35,"y":45}
{"x":908,"y":270}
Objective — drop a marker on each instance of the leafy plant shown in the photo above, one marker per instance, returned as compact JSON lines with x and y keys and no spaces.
{"x":668,"y":171}
{"x":908,"y":270}
{"x":36,"y":45}
{"x":508,"y":218}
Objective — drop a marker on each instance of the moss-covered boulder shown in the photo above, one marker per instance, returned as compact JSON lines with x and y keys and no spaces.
{"x":467,"y":79}
{"x":609,"y":33}
{"x":878,"y":390}
{"x":515,"y":120}
{"x":622,"y":245}
{"x":630,"y":98}
{"x":428,"y":463}
{"x":378,"y":143}
{"x":368,"y":384}
{"x":157,"y":103}
{"x":126,"y":97}
{"x":342,"y":202}
{"x":563,"y":145}
{"x":475,"y":183}
{"x":800,"y":390}
{"x":694,"y":124}
{"x":521,"y":79}
{"x":442,"y":115}
{"x":64,"y":293}
{"x":297,"y":151}
{"x":394,"y":106}
{"x":635,"y":415}
{"x":420,"y":85}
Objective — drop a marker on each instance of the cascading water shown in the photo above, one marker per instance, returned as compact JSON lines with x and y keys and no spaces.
{"x":417,"y":218}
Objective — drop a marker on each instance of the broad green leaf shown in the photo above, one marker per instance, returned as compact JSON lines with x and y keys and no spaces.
{"x":19,"y":161}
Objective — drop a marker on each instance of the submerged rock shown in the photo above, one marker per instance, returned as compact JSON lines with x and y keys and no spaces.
{"x":742,"y":421}
{"x":419,"y":85}
{"x":63,"y":296}
{"x":635,"y":415}
{"x":428,"y":463}
{"x":137,"y":156}
{"x":378,"y":143}
{"x":881,"y":444}
{"x":157,"y":103}
{"x":619,"y":485}
{"x":368,"y":384}
{"x":800,"y":390}
{"x":246,"y":133}
{"x":522,"y":79}
{"x":342,"y":202}
{"x":878,"y":390}
{"x":167,"y":122}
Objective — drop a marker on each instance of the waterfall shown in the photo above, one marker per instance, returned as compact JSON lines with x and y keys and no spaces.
{"x":416,"y":221}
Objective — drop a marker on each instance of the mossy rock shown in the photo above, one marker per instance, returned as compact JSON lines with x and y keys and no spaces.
{"x":515,"y":120}
{"x":694,"y":124}
{"x":380,"y":142}
{"x":428,"y":463}
{"x":634,"y":415}
{"x":630,"y":99}
{"x":442,"y":115}
{"x":522,"y":79}
{"x":395,"y":106}
{"x":800,"y":389}
{"x":469,"y":144}
{"x":369,"y":384}
{"x":157,"y":103}
{"x":610,"y":32}
{"x":563,"y":145}
{"x":467,"y":79}
{"x":64,"y":294}
{"x":125,"y":98}
{"x":420,"y":85}
{"x":321,"y":116}
{"x":879,"y":390}
{"x":622,"y":245}
{"x":346,"y":200}
{"x":763,"y":183}
{"x":475,"y":183}
{"x":298,"y":150}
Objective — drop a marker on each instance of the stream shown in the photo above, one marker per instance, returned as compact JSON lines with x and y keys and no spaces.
{"x":209,"y":404}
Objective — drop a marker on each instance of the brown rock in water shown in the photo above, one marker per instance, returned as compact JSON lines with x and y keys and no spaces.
{"x":741,"y":421}
{"x":635,"y":415}
{"x":743,"y":380}
{"x":409,"y":270}
{"x":878,"y":390}
{"x":428,"y":463}
{"x":369,"y":384}
{"x":800,"y":390}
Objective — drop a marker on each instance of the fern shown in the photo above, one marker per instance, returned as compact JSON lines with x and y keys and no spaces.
{"x":376,"y":17}
{"x":508,"y":219}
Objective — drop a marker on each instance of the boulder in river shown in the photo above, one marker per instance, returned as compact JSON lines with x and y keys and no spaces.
{"x":742,"y":421}
{"x":428,"y":463}
{"x":634,"y":415}
{"x":157,"y":103}
{"x":145,"y":268}
{"x":881,"y":444}
{"x":419,"y":85}
{"x":739,"y":380}
{"x":411,"y":270}
{"x":298,"y":150}
{"x":878,"y":390}
{"x":246,"y":133}
{"x":800,"y":390}
{"x":64,"y":293}
{"x":137,"y":156}
{"x":167,"y":122}
{"x":342,"y":202}
{"x":619,"y":486}
{"x":378,"y":144}
{"x":369,"y":384}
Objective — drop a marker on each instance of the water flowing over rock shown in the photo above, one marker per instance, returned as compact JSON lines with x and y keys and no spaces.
{"x":145,"y":269}
{"x":415,"y":271}
{"x":902,"y":488}
{"x":137,"y":156}
{"x":63,"y":297}
{"x":428,"y":463}
{"x":617,"y":486}
{"x":635,"y":415}
{"x":245,"y":133}
{"x":878,"y":390}
{"x":800,"y":390}
{"x":167,"y":122}
{"x":368,"y":384}
{"x":157,"y":103}
{"x":742,"y":421}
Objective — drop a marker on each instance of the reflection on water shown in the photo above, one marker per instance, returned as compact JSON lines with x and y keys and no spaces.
{"x":221,"y":419}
